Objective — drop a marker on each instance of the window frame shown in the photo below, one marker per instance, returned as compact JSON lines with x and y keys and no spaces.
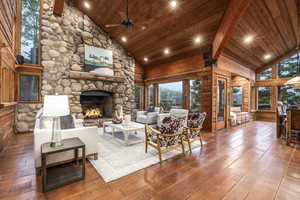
{"x":38,"y":74}
{"x":297,"y":54}
{"x":242,"y":97}
{"x":270,"y":101}
{"x":182,"y":89}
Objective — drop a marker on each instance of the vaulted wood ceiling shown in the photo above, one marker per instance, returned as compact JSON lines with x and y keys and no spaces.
{"x":273,"y":23}
{"x":165,"y":27}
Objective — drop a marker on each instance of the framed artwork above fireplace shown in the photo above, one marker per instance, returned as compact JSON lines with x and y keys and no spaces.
{"x":98,"y":60}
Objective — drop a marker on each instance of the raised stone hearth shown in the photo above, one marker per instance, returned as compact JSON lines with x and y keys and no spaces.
{"x":62,"y":58}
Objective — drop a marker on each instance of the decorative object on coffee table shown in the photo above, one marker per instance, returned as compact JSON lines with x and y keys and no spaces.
{"x":56,"y":106}
{"x":60,"y":175}
{"x":118,"y":117}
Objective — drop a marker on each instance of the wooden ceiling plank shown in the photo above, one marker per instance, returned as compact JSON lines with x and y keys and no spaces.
{"x":58,"y":7}
{"x":270,"y":6}
{"x":231,"y":18}
{"x":291,"y":6}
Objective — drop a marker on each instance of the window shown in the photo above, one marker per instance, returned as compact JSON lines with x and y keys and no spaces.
{"x":237,"y":96}
{"x":150,"y":94}
{"x":195,"y":90}
{"x":221,"y":100}
{"x":30,"y":31}
{"x":264,"y":98}
{"x":265,"y":75}
{"x":289,"y":67}
{"x":29,"y":88}
{"x":170,"y":95}
{"x":138,"y":97}
{"x":288,"y":95}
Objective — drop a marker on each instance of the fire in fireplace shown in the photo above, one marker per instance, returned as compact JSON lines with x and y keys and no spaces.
{"x":96,"y":104}
{"x":93,"y":113}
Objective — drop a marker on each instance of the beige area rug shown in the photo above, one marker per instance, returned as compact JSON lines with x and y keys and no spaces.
{"x":117,"y":160}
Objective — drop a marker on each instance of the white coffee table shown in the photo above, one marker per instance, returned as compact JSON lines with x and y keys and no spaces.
{"x":131,"y":128}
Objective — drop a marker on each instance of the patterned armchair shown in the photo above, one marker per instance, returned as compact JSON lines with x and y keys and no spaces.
{"x":193,"y":130}
{"x":169,"y":137}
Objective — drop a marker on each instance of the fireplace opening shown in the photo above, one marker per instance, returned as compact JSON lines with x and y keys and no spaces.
{"x":96,"y":104}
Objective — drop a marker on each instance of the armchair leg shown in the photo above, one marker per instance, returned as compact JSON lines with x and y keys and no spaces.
{"x":200,"y":137}
{"x":190,"y":146}
{"x":159,"y":155}
{"x":182,"y":146}
{"x":146,"y":146}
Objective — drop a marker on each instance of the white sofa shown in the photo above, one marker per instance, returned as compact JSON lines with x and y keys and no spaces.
{"x":238,"y":117}
{"x":173,"y":112}
{"x":145,"y":117}
{"x":89,"y":136}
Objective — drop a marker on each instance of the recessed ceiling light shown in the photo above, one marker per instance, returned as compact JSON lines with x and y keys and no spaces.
{"x":146,"y":59}
{"x":124,"y":39}
{"x":87,"y":5}
{"x":166,"y":51}
{"x":197,"y":40}
{"x":267,"y":56}
{"x":173,"y":4}
{"x":248,"y":39}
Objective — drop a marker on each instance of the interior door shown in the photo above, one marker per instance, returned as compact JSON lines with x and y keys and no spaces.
{"x":221,"y":103}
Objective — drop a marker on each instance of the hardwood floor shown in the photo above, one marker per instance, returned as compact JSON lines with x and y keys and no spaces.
{"x":245,"y":162}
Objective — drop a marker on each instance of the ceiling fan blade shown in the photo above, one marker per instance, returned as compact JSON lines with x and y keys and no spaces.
{"x":123,"y":16}
{"x":112,"y":25}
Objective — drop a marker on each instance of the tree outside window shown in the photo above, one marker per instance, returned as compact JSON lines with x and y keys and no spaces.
{"x":30,"y":31}
{"x":288,"y":95}
{"x":195,"y":90}
{"x":264,"y":98}
{"x":138,"y":96}
{"x":29,"y":88}
{"x":150,"y":97}
{"x":237,"y":96}
{"x":265,"y":75}
{"x":289,"y":67}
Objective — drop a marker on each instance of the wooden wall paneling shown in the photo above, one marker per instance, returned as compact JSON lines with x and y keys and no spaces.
{"x":7,"y":117}
{"x":58,"y":7}
{"x":7,"y":71}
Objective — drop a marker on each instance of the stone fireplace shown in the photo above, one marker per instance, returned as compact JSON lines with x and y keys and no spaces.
{"x":63,"y":40}
{"x":96,"y":104}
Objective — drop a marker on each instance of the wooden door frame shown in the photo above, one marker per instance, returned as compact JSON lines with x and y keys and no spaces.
{"x":225,"y":122}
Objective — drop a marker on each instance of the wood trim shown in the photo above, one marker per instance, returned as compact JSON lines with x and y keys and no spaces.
{"x":231,"y":18}
{"x":58,"y":7}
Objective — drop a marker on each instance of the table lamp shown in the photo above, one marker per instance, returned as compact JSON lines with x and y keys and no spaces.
{"x":56,"y":106}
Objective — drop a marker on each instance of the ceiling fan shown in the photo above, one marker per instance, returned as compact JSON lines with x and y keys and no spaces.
{"x":126,"y":22}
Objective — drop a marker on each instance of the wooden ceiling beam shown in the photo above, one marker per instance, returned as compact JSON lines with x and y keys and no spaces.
{"x":58,"y":7}
{"x":231,"y":18}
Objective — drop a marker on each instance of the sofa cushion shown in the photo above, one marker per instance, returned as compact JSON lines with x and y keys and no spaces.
{"x":67,"y":122}
{"x":46,"y":123}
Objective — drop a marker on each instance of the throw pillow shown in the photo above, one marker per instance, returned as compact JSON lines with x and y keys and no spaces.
{"x":151,"y":109}
{"x":67,"y":122}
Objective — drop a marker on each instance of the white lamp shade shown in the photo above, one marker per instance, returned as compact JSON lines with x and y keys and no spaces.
{"x":56,"y":106}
